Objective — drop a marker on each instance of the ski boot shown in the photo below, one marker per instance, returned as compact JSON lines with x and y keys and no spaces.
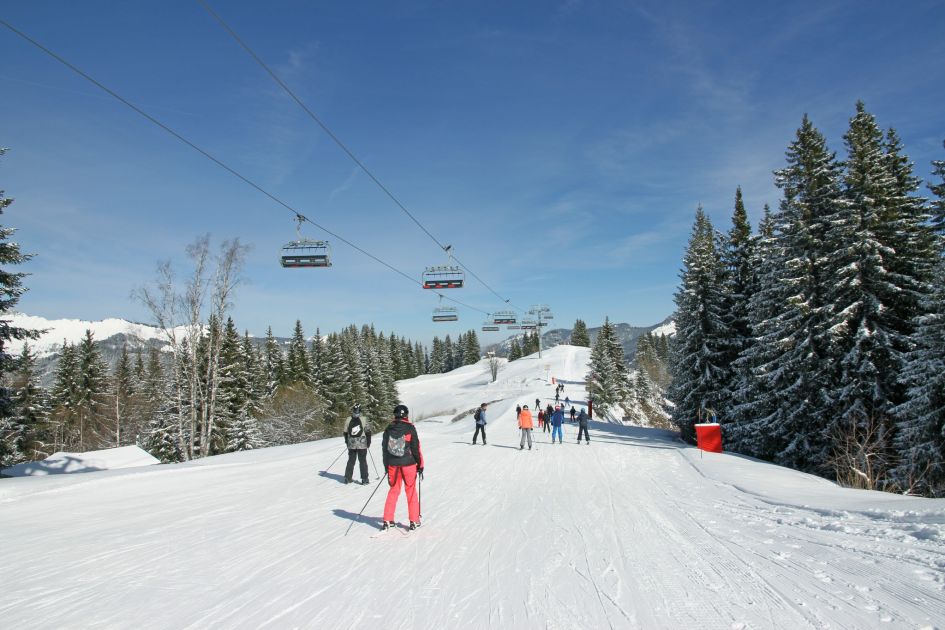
{"x":414,"y":525}
{"x":387,"y":525}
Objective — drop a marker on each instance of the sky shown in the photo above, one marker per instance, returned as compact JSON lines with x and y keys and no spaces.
{"x":561,"y":148}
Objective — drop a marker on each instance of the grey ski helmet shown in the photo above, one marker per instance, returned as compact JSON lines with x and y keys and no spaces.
{"x":401,"y":411}
{"x":356,"y":411}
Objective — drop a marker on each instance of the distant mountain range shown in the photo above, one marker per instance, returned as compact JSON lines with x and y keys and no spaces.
{"x":626,"y":333}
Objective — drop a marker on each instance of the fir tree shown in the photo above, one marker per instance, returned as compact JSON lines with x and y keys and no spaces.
{"x":790,"y":400}
{"x":609,"y":385}
{"x":122,"y":393}
{"x":297,"y":365}
{"x":698,"y":362}
{"x":938,"y":189}
{"x":515,"y":352}
{"x":449,"y":356}
{"x":579,"y":335}
{"x":11,"y":288}
{"x":471,"y":350}
{"x":92,"y":388}
{"x":23,"y":432}
{"x":920,"y":439}
{"x":316,"y":360}
{"x":274,"y":364}
{"x":437,"y":357}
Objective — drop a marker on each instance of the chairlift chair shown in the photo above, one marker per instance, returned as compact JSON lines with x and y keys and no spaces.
{"x":304,"y":252}
{"x":489,"y":327}
{"x":445,"y":314}
{"x":444,"y":276}
{"x":504,"y":317}
{"x":513,"y":327}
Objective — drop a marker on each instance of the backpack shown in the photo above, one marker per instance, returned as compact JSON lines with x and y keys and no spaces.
{"x":478,"y":415}
{"x":397,"y":446}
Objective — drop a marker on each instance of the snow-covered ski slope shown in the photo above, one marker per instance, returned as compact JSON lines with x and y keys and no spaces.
{"x":635,"y":530}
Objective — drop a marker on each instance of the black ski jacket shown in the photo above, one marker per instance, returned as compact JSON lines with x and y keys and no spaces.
{"x":394,"y":432}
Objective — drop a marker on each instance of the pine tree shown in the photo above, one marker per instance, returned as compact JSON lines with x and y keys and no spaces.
{"x":23,"y":432}
{"x":316,"y":360}
{"x":579,"y":335}
{"x":11,"y":288}
{"x":515,"y":351}
{"x":920,"y":440}
{"x":337,"y":382}
{"x":92,"y":388}
{"x":471,"y":351}
{"x":449,"y":355}
{"x":791,"y":311}
{"x":122,"y":392}
{"x":609,"y":385}
{"x":737,"y":259}
{"x":297,"y":365}
{"x":881,"y":256}
{"x":938,"y":189}
{"x":274,"y":364}
{"x":437,"y":357}
{"x":699,"y":360}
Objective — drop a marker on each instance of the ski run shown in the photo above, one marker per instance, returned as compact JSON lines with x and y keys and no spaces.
{"x":634,"y":530}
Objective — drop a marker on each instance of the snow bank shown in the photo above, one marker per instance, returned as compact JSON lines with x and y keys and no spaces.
{"x":73,"y":331}
{"x":108,"y":459}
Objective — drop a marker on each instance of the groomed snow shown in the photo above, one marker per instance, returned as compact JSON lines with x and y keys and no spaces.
{"x":635,"y":530}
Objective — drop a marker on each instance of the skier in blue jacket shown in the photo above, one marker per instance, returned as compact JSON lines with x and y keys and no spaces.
{"x":557,"y":419}
{"x":480,"y":418}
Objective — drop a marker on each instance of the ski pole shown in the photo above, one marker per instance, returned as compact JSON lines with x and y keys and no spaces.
{"x":363,"y":508}
{"x":376,"y":474}
{"x":335,"y":460}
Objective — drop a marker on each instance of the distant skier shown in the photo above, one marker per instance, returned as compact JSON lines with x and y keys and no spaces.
{"x":541,"y":418}
{"x":582,"y":427}
{"x":403,"y":461}
{"x":557,"y":397}
{"x":537,"y":403}
{"x":567,"y":401}
{"x":546,"y":426}
{"x":557,"y":419}
{"x":480,"y":418}
{"x":518,"y":410}
{"x":525,"y":424}
{"x":358,"y":440}
{"x":573,"y":413}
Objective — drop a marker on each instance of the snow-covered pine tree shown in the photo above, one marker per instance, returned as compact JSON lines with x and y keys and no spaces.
{"x":437,"y":357}
{"x":11,"y":288}
{"x":938,"y":189}
{"x":337,"y":386}
{"x":297,"y":365}
{"x":792,"y":388}
{"x":739,"y":278}
{"x":579,"y":335}
{"x":609,"y":384}
{"x":91,"y":396}
{"x":449,"y":355}
{"x":316,"y":360}
{"x":700,"y":348}
{"x":515,"y":351}
{"x":388,"y":396}
{"x":121,"y":394}
{"x":920,"y":439}
{"x":274,"y":363}
{"x":471,"y":351}
{"x":882,"y":249}
{"x":420,"y":359}
{"x":256,"y":373}
{"x":23,"y":433}
{"x":396,"y":357}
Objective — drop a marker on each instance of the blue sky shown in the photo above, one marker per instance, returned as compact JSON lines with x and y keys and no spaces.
{"x":560,"y":147}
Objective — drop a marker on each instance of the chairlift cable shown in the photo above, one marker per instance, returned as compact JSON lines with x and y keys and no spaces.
{"x":342,"y":145}
{"x":299,"y":216}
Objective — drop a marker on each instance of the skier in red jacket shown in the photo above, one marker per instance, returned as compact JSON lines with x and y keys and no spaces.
{"x":403,"y":461}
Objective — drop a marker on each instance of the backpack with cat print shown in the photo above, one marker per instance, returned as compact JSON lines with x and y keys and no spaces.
{"x":397,"y":446}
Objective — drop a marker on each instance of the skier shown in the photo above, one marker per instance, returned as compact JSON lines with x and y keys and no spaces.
{"x":518,"y":410}
{"x":541,"y":418}
{"x":358,"y":439}
{"x":567,"y":401}
{"x":573,"y":413}
{"x":537,"y":404}
{"x":557,"y":419}
{"x":548,"y":412}
{"x":557,"y":396}
{"x":525,"y":424}
{"x":480,"y":417}
{"x":403,"y":462}
{"x":582,"y":427}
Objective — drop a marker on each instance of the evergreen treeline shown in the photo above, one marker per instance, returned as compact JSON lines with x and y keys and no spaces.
{"x":818,"y":341}
{"x":264,"y":395}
